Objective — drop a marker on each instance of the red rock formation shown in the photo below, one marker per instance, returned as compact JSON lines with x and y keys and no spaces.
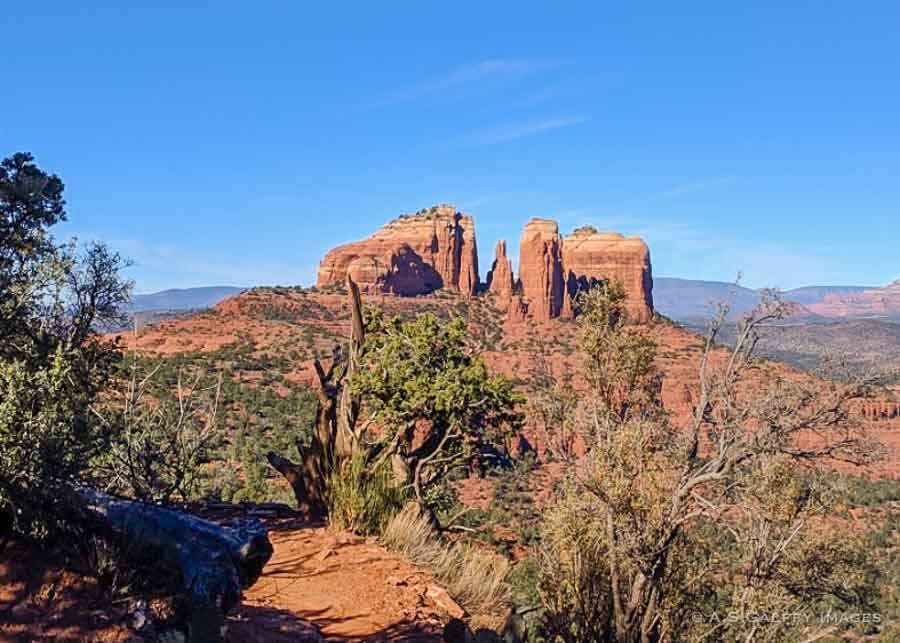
{"x":540,"y":269}
{"x":590,"y":254}
{"x":877,"y":302}
{"x":435,"y":248}
{"x":466,"y":263}
{"x":500,"y":277}
{"x":412,"y":255}
{"x":517,"y":310}
{"x":878,"y":409}
{"x":553,"y":270}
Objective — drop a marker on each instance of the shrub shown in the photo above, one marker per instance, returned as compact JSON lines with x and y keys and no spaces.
{"x":162,"y":436}
{"x":361,"y":498}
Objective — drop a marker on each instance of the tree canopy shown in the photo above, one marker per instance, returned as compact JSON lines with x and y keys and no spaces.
{"x":435,"y":403}
{"x":53,"y":299}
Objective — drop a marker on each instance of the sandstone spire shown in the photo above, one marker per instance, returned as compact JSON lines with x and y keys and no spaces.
{"x":500,"y":277}
{"x":540,"y":269}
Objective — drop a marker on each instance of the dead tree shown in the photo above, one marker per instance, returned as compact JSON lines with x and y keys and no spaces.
{"x":212,"y":563}
{"x":335,"y":437}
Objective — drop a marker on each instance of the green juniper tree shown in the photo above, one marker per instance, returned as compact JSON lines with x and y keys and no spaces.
{"x":53,"y":366}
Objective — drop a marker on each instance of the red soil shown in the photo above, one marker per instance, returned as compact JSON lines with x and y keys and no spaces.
{"x":351,"y":588}
{"x":42,"y":601}
{"x":318,"y":586}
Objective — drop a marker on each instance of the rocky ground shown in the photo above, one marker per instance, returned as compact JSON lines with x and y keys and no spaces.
{"x":318,"y":586}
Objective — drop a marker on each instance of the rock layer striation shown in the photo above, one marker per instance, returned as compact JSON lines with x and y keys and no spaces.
{"x":412,"y":255}
{"x":589,"y":255}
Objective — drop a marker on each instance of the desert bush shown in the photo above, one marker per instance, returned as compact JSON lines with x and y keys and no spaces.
{"x":572,"y":574}
{"x":442,"y":407}
{"x":227,"y":455}
{"x":361,"y":498}
{"x":161,"y":438}
{"x":475,"y":578}
{"x":47,"y":440}
{"x":706,"y":532}
{"x":53,"y":300}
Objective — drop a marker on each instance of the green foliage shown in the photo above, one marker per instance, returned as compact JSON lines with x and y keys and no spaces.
{"x":363,"y":498}
{"x":47,"y":438}
{"x":618,"y":358}
{"x":419,"y":377}
{"x":31,"y":201}
{"x":241,"y":474}
{"x":53,"y":299}
{"x":252,"y":418}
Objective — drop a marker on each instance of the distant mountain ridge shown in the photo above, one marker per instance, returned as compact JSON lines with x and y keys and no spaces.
{"x":679,"y":299}
{"x":183,"y":298}
{"x":691,"y":299}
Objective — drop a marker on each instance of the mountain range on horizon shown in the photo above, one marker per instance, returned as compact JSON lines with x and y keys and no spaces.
{"x":678,"y":298}
{"x":182,"y":298}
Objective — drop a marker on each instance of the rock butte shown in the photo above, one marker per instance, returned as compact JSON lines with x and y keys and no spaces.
{"x":541,"y":269}
{"x":412,"y":255}
{"x":435,"y":248}
{"x":589,"y":254}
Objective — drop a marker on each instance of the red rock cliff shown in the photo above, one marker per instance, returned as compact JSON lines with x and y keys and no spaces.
{"x":412,"y":255}
{"x":540,"y":269}
{"x":589,"y":254}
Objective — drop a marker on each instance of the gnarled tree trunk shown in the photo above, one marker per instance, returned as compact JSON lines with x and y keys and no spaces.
{"x":334,"y":437}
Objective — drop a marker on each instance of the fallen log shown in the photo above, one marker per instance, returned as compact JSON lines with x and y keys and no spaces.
{"x":214,"y":562}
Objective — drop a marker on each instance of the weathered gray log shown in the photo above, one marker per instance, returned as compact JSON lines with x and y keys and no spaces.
{"x":215,"y":562}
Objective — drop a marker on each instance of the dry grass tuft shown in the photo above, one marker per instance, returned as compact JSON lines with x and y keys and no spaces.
{"x":476,"y":579}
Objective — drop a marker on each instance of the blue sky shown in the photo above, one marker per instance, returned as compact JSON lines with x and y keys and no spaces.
{"x":234,"y":143}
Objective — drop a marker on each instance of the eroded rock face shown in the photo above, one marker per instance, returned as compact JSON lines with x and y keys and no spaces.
{"x":876,"y":302}
{"x":541,"y":269}
{"x":500,"y":277}
{"x":589,"y":254}
{"x":878,"y":409}
{"x":412,"y":255}
{"x":435,"y":248}
{"x":552,"y":270}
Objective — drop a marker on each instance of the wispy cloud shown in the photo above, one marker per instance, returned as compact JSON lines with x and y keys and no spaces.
{"x":513,"y":131}
{"x":466,"y":75}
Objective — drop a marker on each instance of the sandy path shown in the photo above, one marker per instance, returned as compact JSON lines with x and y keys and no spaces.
{"x":349,"y":588}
